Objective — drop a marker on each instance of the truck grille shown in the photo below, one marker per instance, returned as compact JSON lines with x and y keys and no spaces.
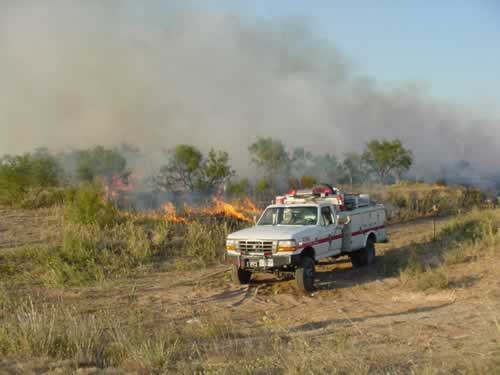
{"x":256,"y":246}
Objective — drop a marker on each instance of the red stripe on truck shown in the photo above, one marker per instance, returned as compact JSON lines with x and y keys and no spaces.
{"x":336,"y":237}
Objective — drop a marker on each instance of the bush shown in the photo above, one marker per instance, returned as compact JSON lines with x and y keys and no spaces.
{"x":473,"y":227}
{"x":100,"y":162}
{"x":23,"y":178}
{"x":87,"y":205}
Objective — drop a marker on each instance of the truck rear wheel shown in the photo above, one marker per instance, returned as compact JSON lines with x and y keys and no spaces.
{"x":240,"y":276}
{"x":304,"y":275}
{"x":365,"y":256}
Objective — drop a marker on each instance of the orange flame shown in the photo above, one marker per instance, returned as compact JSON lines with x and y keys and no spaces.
{"x":170,"y":214}
{"x":246,"y":204}
{"x":242,"y":210}
{"x":239,"y":210}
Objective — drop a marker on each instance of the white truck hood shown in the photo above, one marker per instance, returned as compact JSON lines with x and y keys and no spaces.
{"x":273,"y":232}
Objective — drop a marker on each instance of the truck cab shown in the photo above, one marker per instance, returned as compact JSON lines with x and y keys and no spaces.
{"x":302,"y":228}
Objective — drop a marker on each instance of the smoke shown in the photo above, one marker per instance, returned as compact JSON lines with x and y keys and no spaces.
{"x":80,"y":73}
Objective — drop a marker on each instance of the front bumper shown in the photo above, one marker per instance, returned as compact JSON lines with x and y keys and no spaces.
{"x":261,"y":261}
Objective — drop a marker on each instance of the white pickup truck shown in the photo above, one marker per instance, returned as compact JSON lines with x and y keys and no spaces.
{"x":303,"y":227}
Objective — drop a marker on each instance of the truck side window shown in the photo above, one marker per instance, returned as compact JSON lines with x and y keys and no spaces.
{"x":326,"y":215}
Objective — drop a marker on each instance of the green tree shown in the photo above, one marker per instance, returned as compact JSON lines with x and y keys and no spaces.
{"x":215,"y":171}
{"x":100,"y":162}
{"x":272,"y":157}
{"x":182,"y":170}
{"x":385,"y":158}
{"x":262,"y":189}
{"x":354,"y":171}
{"x":239,"y":188}
{"x":188,"y":170}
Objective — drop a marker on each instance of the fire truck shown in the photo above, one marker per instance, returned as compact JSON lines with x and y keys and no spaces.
{"x":303,"y":227}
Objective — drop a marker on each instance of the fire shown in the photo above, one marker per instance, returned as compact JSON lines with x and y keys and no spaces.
{"x":246,"y":204}
{"x":170,"y":214}
{"x":221,"y":208}
{"x":241,"y":210}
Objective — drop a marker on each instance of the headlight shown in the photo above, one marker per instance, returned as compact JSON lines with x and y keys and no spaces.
{"x":289,"y":245}
{"x":231,"y":244}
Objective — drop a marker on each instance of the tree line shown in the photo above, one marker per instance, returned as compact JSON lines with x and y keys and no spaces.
{"x":187,"y":169}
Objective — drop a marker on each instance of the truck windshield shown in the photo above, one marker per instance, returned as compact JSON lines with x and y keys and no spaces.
{"x":289,"y":216}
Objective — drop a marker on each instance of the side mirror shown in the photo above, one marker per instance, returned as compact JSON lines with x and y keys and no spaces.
{"x":343,"y":220}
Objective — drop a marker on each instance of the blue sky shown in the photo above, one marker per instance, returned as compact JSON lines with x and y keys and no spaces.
{"x":450,"y":47}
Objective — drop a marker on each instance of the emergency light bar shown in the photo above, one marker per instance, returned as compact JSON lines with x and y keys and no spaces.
{"x":324,"y":191}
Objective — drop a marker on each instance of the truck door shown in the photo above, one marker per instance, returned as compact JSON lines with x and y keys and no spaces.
{"x":329,"y":245}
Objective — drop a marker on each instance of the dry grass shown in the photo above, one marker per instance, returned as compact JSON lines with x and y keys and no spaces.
{"x":406,"y":201}
{"x":205,"y":345}
{"x":89,"y":253}
{"x":426,"y":265}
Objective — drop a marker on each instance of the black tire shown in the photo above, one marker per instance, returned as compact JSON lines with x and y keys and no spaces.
{"x":240,"y":276}
{"x":304,"y":275}
{"x":365,"y":256}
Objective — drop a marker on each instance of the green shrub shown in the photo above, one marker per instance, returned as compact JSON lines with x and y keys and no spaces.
{"x":24,"y":177}
{"x":474,"y":227}
{"x":87,"y":205}
{"x":100,"y":162}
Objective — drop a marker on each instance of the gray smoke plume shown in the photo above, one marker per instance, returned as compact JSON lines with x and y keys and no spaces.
{"x":154,"y":74}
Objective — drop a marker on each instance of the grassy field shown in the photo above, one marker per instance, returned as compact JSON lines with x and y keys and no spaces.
{"x":146,"y":296}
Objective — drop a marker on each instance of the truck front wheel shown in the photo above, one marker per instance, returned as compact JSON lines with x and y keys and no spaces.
{"x":240,"y":276}
{"x":304,"y":275}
